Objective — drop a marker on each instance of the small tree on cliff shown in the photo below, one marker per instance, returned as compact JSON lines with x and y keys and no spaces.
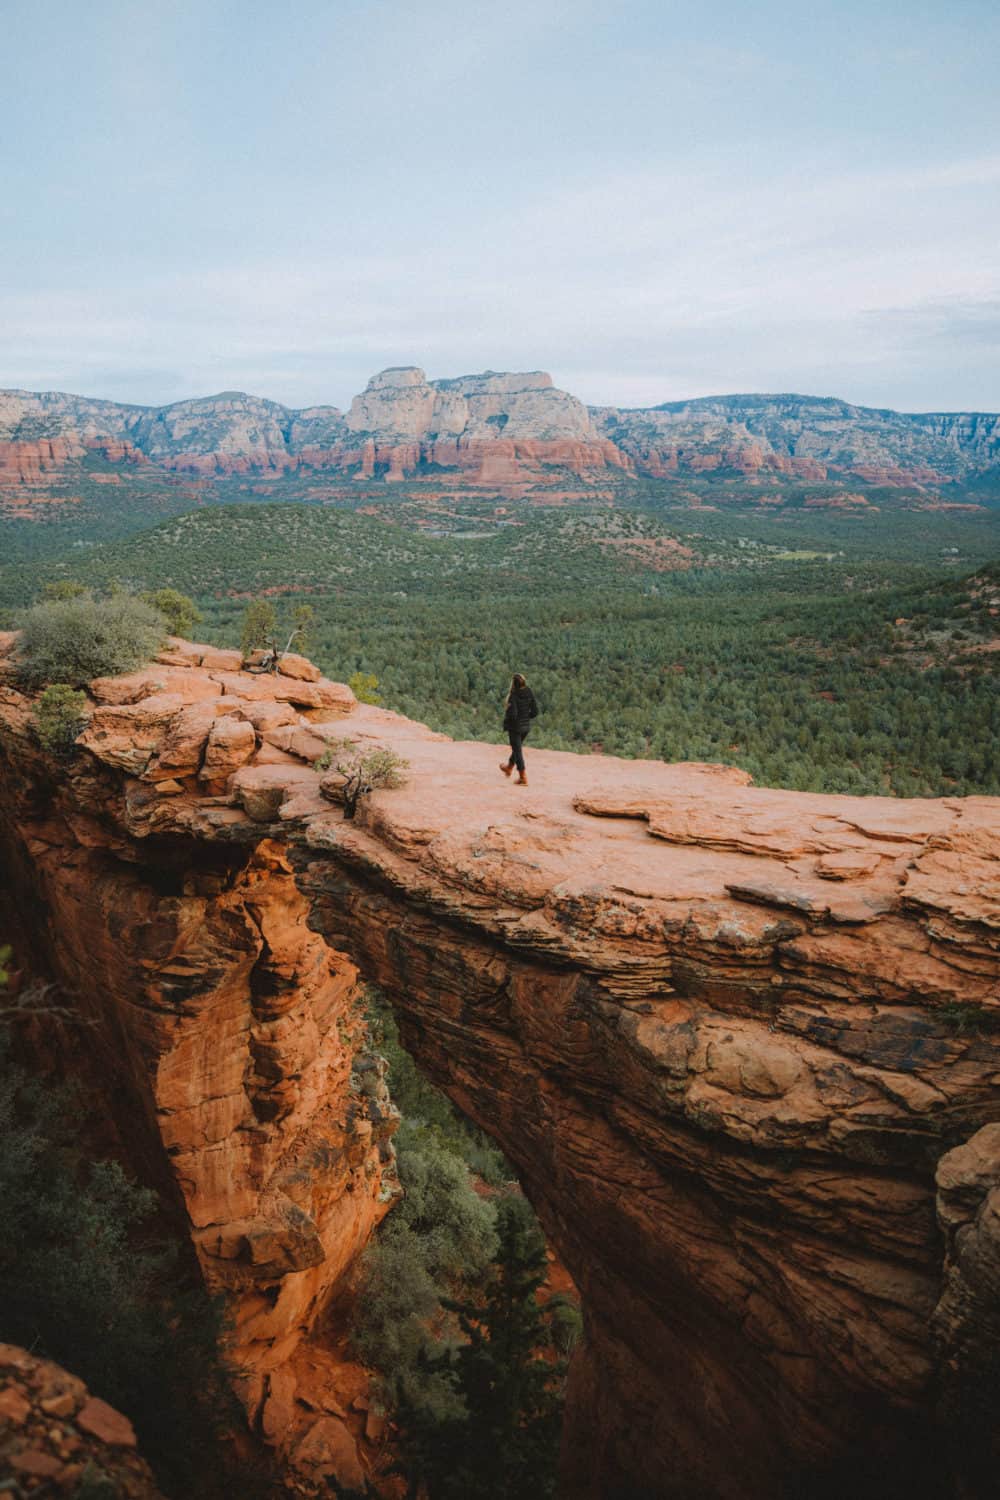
{"x":362,"y":770}
{"x":260,"y":625}
{"x":300,"y":634}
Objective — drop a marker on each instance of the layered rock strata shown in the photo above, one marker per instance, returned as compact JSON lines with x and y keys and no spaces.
{"x":726,"y":1034}
{"x":227,"y":1038}
{"x":497,"y":429}
{"x":803,"y":437}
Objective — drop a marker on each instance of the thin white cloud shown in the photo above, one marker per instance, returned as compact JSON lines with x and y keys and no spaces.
{"x":651,"y":206}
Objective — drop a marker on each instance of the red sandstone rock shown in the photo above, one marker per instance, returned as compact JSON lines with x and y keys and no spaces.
{"x":303,"y":744}
{"x":51,"y":1429}
{"x":290,"y":665}
{"x":143,"y":684}
{"x":127,"y":736}
{"x":102,"y":1421}
{"x":710,"y":1023}
{"x":181,"y":750}
{"x":231,"y":743}
{"x":13,"y":1407}
{"x":334,"y":697}
{"x":507,"y":431}
{"x":183,"y":653}
{"x":36,"y":1463}
{"x":328,"y":1450}
{"x":267,"y":715}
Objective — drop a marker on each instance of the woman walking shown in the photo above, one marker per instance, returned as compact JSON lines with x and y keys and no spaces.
{"x":521,"y":708}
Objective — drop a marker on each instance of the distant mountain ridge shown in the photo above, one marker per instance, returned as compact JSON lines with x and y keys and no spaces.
{"x":510,"y":430}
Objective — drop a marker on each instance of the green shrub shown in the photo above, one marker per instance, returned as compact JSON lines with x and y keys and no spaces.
{"x":65,"y":588}
{"x":180,"y":612}
{"x":364,"y":770}
{"x":59,"y":718}
{"x":364,"y":686}
{"x":73,"y":641}
{"x":439,"y":1235}
{"x":565,"y":1322}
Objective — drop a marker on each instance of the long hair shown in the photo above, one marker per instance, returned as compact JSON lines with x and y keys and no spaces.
{"x":517,"y":685}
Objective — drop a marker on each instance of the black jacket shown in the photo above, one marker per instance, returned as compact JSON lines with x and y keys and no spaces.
{"x":520,"y":711}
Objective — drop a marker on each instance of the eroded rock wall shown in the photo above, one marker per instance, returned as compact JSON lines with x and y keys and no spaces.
{"x":726,"y":1034}
{"x":222,"y":1034}
{"x":515,"y":431}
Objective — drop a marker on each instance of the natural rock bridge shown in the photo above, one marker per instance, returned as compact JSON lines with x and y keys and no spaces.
{"x":725,"y":1034}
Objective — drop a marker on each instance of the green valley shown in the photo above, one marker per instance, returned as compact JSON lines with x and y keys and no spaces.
{"x":818,"y":650}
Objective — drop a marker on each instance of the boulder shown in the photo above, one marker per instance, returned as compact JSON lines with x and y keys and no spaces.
{"x":293,"y":739}
{"x":191,"y":686}
{"x":263,"y":790}
{"x":299,"y":667}
{"x":334,"y":697}
{"x":190,"y":654}
{"x":328,"y":1451}
{"x":182,"y":748}
{"x":127,"y":736}
{"x":231,"y":743}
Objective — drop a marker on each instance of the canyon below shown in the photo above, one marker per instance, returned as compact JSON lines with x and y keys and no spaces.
{"x":511,"y":433}
{"x":739,"y":1044}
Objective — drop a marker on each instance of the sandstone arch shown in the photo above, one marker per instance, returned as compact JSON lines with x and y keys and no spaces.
{"x":725,"y":1034}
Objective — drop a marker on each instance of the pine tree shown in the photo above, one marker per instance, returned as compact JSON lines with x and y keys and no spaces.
{"x":506,"y":1449}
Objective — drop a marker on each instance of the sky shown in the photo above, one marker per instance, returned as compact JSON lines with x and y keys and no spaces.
{"x":652,"y":200}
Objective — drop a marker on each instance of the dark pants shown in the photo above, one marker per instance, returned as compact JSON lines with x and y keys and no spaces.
{"x":517,"y":738}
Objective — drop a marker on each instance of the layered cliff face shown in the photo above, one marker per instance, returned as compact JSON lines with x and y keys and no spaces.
{"x":226,"y":1036}
{"x":726,"y":1034}
{"x":503,"y":430}
{"x":499,"y":429}
{"x":810,"y":438}
{"x":474,"y":407}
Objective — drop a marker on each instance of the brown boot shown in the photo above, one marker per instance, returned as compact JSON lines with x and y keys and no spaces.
{"x":506,"y":767}
{"x":522,"y":779}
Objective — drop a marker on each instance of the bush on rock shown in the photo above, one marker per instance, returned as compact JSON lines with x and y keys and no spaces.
{"x":59,"y":718}
{"x":72,"y":641}
{"x":362,"y":770}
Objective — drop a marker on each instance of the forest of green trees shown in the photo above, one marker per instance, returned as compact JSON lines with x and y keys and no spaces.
{"x":818,"y":659}
{"x":469,"y":1353}
{"x":825,"y":653}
